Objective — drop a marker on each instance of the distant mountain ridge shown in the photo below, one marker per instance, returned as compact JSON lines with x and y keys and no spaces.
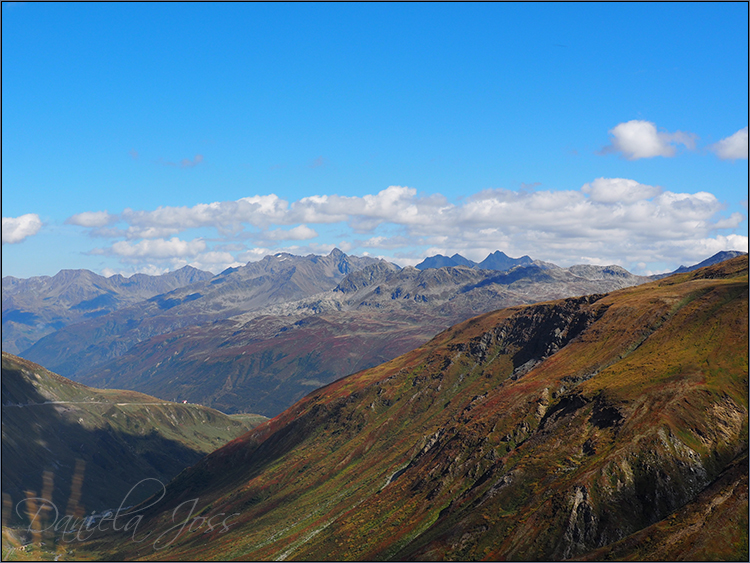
{"x":274,"y":279}
{"x":495,"y":261}
{"x":266,"y":359}
{"x":37,"y":306}
{"x":715,"y":259}
{"x":259,"y":337}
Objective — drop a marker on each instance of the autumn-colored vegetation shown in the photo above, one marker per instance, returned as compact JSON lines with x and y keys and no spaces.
{"x":607,"y":426}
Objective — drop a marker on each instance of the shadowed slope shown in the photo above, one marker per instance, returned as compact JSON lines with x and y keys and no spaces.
{"x":121,"y":436}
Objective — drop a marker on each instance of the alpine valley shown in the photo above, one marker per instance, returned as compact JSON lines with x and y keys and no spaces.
{"x":607,"y":426}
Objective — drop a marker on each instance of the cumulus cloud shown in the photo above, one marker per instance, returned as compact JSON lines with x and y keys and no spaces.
{"x":211,"y":261}
{"x":253,"y":254}
{"x":640,"y":139}
{"x":612,"y":190}
{"x":154,"y":248}
{"x":301,"y":232}
{"x":91,"y":219}
{"x":227,"y":216}
{"x":395,"y":204}
{"x":733,"y":147}
{"x":386,"y":242}
{"x":18,"y":229}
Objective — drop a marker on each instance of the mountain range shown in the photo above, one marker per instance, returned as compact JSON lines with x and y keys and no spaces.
{"x":109,"y":439}
{"x":35,"y":307}
{"x":260,"y":337}
{"x":263,"y":360}
{"x":495,"y":261}
{"x":611,"y":425}
{"x":278,"y":278}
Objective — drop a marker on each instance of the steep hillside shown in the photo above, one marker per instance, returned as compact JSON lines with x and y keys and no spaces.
{"x":266,"y":360}
{"x":715,"y":259}
{"x":121,"y":437}
{"x":536,"y":432}
{"x":35,"y":307}
{"x":282,"y":277}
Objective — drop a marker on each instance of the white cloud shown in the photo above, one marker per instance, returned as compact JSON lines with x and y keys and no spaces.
{"x":253,"y":254}
{"x":613,"y":190}
{"x":639,"y":139}
{"x":155,"y":248}
{"x":91,"y":219}
{"x":733,"y":147}
{"x":301,"y":232}
{"x":386,"y":242}
{"x":17,"y":229}
{"x":226,"y":216}
{"x":143,"y":232}
{"x":395,"y":204}
{"x":213,"y":261}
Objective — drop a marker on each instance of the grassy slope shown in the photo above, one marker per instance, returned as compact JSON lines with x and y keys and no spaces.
{"x":122,"y":436}
{"x":467,"y":449}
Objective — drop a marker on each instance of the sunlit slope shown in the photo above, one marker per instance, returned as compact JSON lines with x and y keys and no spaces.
{"x":538,"y":432}
{"x":48,"y":422}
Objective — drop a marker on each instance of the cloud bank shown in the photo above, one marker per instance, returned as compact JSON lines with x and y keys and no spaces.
{"x":17,"y":229}
{"x":606,"y":221}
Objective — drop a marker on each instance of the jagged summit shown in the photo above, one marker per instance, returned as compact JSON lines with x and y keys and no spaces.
{"x":440,"y":261}
{"x":500,"y":261}
{"x":495,"y":261}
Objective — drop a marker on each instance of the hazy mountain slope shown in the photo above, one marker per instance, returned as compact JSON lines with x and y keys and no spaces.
{"x":501,"y":261}
{"x":264,"y":366}
{"x":440,"y":261}
{"x":122,"y":437}
{"x":35,"y":307}
{"x":274,"y":279}
{"x":539,"y":432}
{"x":266,"y":363}
{"x":715,"y":259}
{"x":495,"y":261}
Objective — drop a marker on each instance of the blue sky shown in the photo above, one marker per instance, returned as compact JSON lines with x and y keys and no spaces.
{"x":143,"y":137}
